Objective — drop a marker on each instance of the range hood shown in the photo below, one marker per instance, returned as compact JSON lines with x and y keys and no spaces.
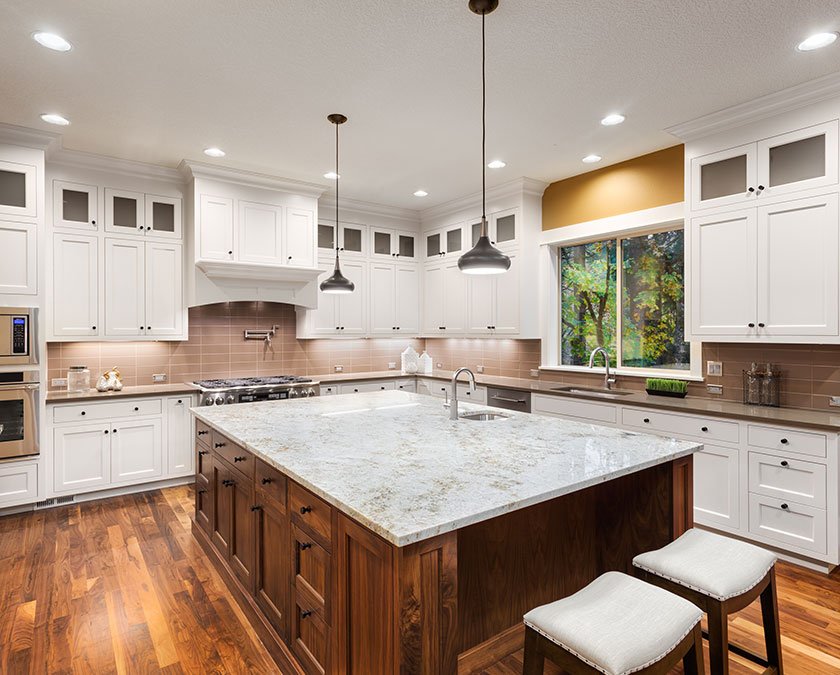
{"x":229,"y":281}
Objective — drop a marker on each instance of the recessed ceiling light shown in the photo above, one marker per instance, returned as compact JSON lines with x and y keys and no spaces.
{"x":214,"y":152}
{"x":331,"y":175}
{"x":52,"y":41}
{"x":816,"y":41}
{"x":421,"y":193}
{"x":612,"y":120}
{"x":496,"y":164}
{"x":591,"y":159}
{"x":55,"y":118}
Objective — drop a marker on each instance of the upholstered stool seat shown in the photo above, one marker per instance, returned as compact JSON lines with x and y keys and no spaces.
{"x":615,"y":625}
{"x":721,"y":575}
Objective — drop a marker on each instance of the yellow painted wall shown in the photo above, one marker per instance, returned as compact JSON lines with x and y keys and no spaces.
{"x":640,"y":183}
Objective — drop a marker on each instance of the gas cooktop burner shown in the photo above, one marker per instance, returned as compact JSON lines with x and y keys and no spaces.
{"x":253,"y":389}
{"x":252,"y":382}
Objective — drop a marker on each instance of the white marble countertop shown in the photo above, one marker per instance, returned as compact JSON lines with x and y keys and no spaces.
{"x":397,"y":464}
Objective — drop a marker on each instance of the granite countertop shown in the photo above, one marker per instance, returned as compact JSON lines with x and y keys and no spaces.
{"x":396,"y":463}
{"x":139,"y":390}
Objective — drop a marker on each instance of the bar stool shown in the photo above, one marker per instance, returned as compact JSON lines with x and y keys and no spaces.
{"x":721,"y":576}
{"x":616,"y":625}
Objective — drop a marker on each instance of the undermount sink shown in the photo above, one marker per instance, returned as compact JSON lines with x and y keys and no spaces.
{"x":594,"y":391}
{"x":483,"y":416}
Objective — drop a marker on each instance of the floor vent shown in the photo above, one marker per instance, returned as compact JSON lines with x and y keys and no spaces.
{"x":55,"y":501}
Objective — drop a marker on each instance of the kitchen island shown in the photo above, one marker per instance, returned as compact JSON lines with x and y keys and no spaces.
{"x":370,"y":533}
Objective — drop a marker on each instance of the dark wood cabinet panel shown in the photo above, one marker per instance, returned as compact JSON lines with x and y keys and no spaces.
{"x":310,"y":637}
{"x":235,"y":455}
{"x":203,"y":461}
{"x":272,"y":587}
{"x":222,"y":496}
{"x":204,"y":503}
{"x":311,"y":566}
{"x":312,"y":513}
{"x":271,"y":484}
{"x":242,"y":539}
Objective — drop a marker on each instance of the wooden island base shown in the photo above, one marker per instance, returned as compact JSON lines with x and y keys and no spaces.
{"x":327,"y":595}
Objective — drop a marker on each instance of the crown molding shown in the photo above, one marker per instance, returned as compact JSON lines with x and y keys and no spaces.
{"x":126,"y":167}
{"x":760,"y":108}
{"x":191,"y":169}
{"x":30,"y":138}
{"x":518,"y":186}
{"x":363,"y":208}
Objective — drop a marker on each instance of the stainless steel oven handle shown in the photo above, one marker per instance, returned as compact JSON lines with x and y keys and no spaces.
{"x":19,"y":387}
{"x":509,"y":400}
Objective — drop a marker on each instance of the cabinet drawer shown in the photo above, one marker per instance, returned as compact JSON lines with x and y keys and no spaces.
{"x":203,"y":433}
{"x":84,"y":412}
{"x":573,"y":407}
{"x":679,"y":426}
{"x":329,"y":389}
{"x":312,"y":513}
{"x":477,"y":396}
{"x":203,"y":461}
{"x":271,"y":483}
{"x":311,"y":570}
{"x":235,"y":455}
{"x":364,"y":387}
{"x":18,"y":483}
{"x":406,"y":385}
{"x":788,"y":523}
{"x":773,"y":438}
{"x":310,"y":637}
{"x":786,"y":478}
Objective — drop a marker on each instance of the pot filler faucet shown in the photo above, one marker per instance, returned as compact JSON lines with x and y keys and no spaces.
{"x":453,"y":400}
{"x":607,"y":379}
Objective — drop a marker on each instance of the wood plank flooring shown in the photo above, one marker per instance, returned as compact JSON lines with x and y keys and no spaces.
{"x":120,"y":586}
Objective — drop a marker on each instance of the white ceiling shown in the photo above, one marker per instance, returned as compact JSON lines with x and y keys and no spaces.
{"x":157,"y":81}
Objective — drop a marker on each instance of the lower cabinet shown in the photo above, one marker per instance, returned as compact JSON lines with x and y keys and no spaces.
{"x":136,"y":450}
{"x":271,"y":565}
{"x":716,"y":486}
{"x":179,"y":450}
{"x":81,"y":457}
{"x":242,"y":530}
{"x":18,"y":482}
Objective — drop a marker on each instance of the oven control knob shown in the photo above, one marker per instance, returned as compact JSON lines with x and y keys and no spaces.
{"x":309,"y":392}
{"x":294,"y":393}
{"x":208,"y":400}
{"x":230,"y":399}
{"x":219,"y":400}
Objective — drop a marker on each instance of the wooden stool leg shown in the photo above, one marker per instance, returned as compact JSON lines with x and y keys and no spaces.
{"x":718,"y":639}
{"x":693,"y":660}
{"x":534,"y":661}
{"x":770,"y":618}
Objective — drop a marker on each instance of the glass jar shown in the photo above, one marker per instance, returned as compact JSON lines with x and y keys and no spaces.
{"x":78,"y":379}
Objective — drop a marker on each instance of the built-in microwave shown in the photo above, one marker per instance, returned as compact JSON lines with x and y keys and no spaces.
{"x":18,"y":414}
{"x":18,"y":345}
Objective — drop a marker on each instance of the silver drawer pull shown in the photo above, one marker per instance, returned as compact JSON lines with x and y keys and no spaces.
{"x":508,"y":400}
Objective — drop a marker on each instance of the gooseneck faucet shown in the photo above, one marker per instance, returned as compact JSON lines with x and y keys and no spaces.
{"x":453,"y":400}
{"x":607,"y":379}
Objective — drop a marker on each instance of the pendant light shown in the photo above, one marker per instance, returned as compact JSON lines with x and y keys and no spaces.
{"x":483,"y":258}
{"x":337,"y":283}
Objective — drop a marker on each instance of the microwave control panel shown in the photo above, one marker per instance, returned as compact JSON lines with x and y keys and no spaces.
{"x":20,"y":336}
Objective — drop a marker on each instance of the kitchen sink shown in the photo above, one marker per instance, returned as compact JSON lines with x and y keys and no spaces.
{"x":483,"y":416}
{"x":594,"y":391}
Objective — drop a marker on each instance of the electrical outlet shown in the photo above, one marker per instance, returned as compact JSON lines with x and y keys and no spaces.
{"x":834,"y":401}
{"x":392,"y":365}
{"x":339,"y":369}
{"x":714,"y":368}
{"x":535,"y":372}
{"x":158,"y":378}
{"x":59,"y":382}
{"x":715,"y":389}
{"x":479,"y":369}
{"x":438,"y":366}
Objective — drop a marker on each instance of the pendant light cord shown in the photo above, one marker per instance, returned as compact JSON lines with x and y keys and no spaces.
{"x":483,"y":132}
{"x":336,"y":194}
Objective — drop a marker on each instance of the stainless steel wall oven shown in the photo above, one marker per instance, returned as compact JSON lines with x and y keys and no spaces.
{"x":18,"y":414}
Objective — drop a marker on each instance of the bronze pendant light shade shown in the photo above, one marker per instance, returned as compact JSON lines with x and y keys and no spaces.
{"x":337,"y":283}
{"x":483,"y":258}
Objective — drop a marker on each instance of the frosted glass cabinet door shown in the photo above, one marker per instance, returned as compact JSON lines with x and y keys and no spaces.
{"x":124,"y":211}
{"x":17,"y":189}
{"x":163,"y":217}
{"x":722,"y":178}
{"x":75,"y":205}
{"x":799,"y":160}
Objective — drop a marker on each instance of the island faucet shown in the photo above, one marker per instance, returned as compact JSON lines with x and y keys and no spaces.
{"x":607,"y":379}
{"x":453,"y":401}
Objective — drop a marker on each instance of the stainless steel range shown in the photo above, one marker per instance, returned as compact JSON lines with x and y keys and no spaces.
{"x":251,"y":389}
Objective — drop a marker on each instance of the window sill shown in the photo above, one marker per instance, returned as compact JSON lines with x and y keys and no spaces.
{"x":624,"y":372}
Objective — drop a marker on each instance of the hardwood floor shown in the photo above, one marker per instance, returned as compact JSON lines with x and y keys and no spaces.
{"x":120,"y":586}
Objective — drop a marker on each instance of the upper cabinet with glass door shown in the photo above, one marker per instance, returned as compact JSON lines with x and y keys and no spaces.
{"x":446,"y":242}
{"x":75,"y":205}
{"x":350,"y":240}
{"x":503,"y":229}
{"x":128,"y":212}
{"x":385,"y":243}
{"x":18,"y":189}
{"x":799,"y":160}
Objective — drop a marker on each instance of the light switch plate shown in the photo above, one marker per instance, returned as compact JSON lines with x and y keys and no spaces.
{"x":479,"y":369}
{"x":158,"y":378}
{"x":714,"y":368}
{"x":535,"y":372}
{"x":834,"y":401}
{"x":58,"y":382}
{"x":714,"y":388}
{"x":339,"y":369}
{"x":392,"y":365}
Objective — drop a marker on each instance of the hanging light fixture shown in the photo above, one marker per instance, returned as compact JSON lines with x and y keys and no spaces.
{"x":337,"y":283}
{"x":483,"y":258}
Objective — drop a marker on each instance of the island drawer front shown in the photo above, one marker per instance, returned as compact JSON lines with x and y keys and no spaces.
{"x":312,"y":513}
{"x":271,"y":483}
{"x":203,"y":461}
{"x":235,"y":455}
{"x":203,"y":433}
{"x":773,"y":438}
{"x":311,"y":571}
{"x":794,"y":524}
{"x":679,"y":426}
{"x":310,"y":637}
{"x":786,"y":478}
{"x":572,"y":407}
{"x":80,"y":412}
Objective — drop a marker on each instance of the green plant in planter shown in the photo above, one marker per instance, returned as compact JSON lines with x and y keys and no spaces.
{"x":673,"y":387}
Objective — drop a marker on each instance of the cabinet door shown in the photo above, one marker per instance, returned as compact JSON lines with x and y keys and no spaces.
{"x":272,"y":578}
{"x":18,"y":189}
{"x":506,"y":300}
{"x":723,"y":293}
{"x":797,"y":267}
{"x":435,"y":246}
{"x":164,"y":292}
{"x":163,"y":217}
{"x":799,"y":160}
{"x":406,"y":245}
{"x":352,"y":307}
{"x":260,"y":233}
{"x":125,"y":292}
{"x":75,"y":285}
{"x":242,"y":538}
{"x":324,"y":319}
{"x":299,"y":246}
{"x":75,"y":205}
{"x":136,"y":451}
{"x":481,"y":293}
{"x":179,"y":449}
{"x":383,"y":291}
{"x":454,"y":299}
{"x":454,"y":240}
{"x":724,"y":178}
{"x":204,"y":495}
{"x":215,"y":232}
{"x":433,"y":301}
{"x":407,"y":311}
{"x":18,"y":483}
{"x":221,"y":488}
{"x":81,"y":457}
{"x":18,"y":258}
{"x":716,"y":491}
{"x":326,"y":241}
{"x":124,"y":211}
{"x":353,"y":239}
{"x":382,"y":243}
{"x":504,"y":229}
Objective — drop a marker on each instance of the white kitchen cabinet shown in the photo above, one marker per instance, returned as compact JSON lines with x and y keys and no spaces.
{"x":394,"y":299}
{"x":407,"y":309}
{"x":18,"y":258}
{"x":299,"y":237}
{"x":124,"y":285}
{"x":493,"y":302}
{"x":351,"y":239}
{"x":75,"y":284}
{"x":136,"y":450}
{"x":18,"y":189}
{"x":366,"y":386}
{"x":164,"y":297}
{"x":446,"y":242}
{"x":18,"y":483}
{"x":787,"y":524}
{"x":215,"y":233}
{"x":163,"y":217}
{"x":387,"y":243}
{"x":75,"y":205}
{"x":433,"y":300}
{"x":445,"y":300}
{"x":180,"y":452}
{"x":124,"y":211}
{"x":502,"y":228}
{"x":340,"y":315}
{"x":717,"y":486}
{"x":81,"y":457}
{"x":260,"y":233}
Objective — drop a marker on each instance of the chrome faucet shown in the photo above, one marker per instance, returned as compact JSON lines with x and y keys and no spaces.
{"x":453,"y":401}
{"x":607,"y":379}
